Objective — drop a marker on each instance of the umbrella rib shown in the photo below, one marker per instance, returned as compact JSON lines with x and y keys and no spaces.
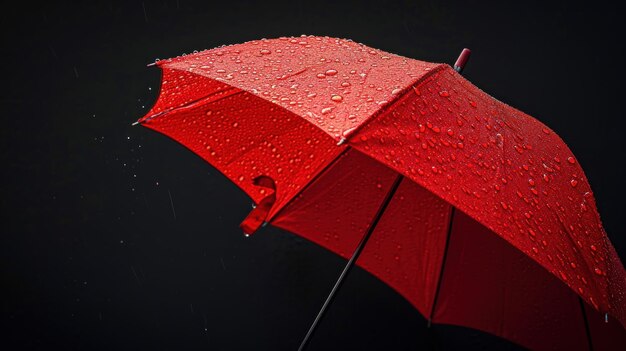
{"x":399,"y":97}
{"x":355,"y":256}
{"x":443,"y":265}
{"x":307,"y":185}
{"x":587,"y":330}
{"x":189,"y":104}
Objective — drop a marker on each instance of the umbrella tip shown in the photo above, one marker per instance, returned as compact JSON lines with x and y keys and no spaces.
{"x":135,"y":123}
{"x":151,"y":64}
{"x":341,"y":141}
{"x":462,"y":60}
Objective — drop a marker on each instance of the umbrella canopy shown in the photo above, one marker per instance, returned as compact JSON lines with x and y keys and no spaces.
{"x":479,"y":214}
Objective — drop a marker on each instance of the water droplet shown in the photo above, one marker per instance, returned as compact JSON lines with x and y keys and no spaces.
{"x":598,"y":271}
{"x":326,"y":110}
{"x":331,"y":72}
{"x":321,"y":75}
{"x":594,"y":248}
{"x":396,"y":91}
{"x":571,"y":160}
{"x":573,"y":182}
{"x":444,"y":93}
{"x":531,"y":182}
{"x":336,"y":98}
{"x":265,"y":52}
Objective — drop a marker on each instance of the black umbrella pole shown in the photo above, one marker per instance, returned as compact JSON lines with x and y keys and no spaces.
{"x":351,"y":262}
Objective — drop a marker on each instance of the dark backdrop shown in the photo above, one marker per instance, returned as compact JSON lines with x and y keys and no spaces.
{"x":115,"y":237}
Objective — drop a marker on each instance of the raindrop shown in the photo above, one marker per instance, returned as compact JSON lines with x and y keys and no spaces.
{"x":598,"y":271}
{"x":331,"y":72}
{"x":573,"y":182}
{"x":326,"y":110}
{"x":336,"y":98}
{"x":444,"y":93}
{"x":265,"y":52}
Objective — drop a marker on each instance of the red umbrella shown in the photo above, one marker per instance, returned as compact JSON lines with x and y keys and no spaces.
{"x":476,"y":213}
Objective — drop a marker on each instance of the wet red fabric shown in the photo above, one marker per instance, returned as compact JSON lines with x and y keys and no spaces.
{"x":332,"y":123}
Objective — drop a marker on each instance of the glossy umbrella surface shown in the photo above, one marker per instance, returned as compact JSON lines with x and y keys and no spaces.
{"x":491,"y":223}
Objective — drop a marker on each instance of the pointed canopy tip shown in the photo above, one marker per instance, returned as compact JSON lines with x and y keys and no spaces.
{"x":135,"y":123}
{"x":462,"y":60}
{"x":151,"y":64}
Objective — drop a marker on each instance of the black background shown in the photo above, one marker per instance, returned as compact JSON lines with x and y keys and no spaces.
{"x":115,"y":237}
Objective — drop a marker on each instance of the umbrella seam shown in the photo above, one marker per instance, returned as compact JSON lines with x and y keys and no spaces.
{"x":402,"y":94}
{"x":315,"y":178}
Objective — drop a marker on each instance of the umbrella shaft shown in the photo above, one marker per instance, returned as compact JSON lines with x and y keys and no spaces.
{"x":351,"y":262}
